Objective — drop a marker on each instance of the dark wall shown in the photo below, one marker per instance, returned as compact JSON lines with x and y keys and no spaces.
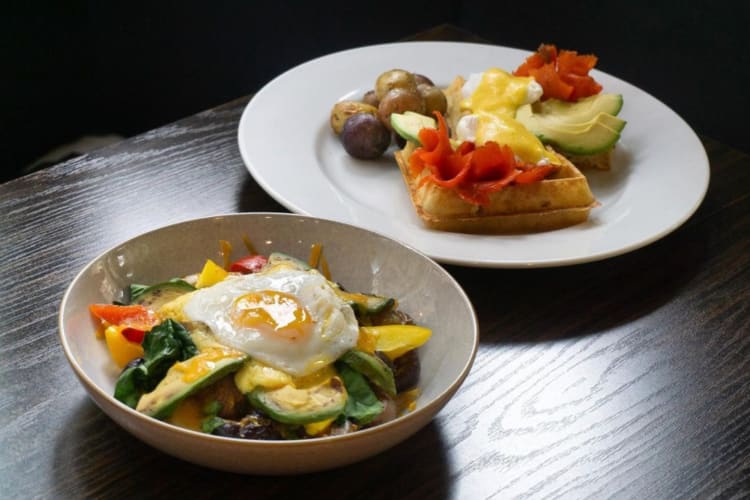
{"x":693,"y":56}
{"x":100,"y":67}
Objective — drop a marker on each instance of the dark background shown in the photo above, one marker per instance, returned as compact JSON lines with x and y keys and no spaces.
{"x":75,"y":68}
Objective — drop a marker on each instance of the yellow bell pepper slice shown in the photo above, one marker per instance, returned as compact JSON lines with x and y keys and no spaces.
{"x":211,"y":274}
{"x":122,"y":350}
{"x":315,"y":428}
{"x":393,"y":340}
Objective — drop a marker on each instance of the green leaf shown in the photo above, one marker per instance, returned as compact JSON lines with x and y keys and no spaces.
{"x":362,"y":405}
{"x":130,"y":385}
{"x":210,"y":423}
{"x":163,"y":346}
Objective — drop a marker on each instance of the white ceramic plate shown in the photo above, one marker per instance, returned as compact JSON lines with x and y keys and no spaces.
{"x":358,"y":259}
{"x":659,"y":177}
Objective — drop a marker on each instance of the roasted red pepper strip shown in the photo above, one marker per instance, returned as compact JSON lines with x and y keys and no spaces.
{"x":473,"y":171}
{"x":563,"y":75}
{"x":554,"y":87}
{"x":463,"y":169}
{"x":437,"y":155}
{"x":534,"y":174}
{"x":429,"y":138}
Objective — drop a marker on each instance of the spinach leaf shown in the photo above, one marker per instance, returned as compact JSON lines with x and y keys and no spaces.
{"x":163,"y":346}
{"x":362,"y":405}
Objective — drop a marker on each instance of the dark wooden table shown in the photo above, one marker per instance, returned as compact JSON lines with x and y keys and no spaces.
{"x":628,"y":377}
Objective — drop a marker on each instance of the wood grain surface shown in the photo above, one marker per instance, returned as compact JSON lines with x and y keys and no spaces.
{"x":625,"y":378}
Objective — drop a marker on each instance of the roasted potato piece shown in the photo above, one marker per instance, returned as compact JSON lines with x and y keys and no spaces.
{"x":397,"y":101}
{"x":434,"y":99}
{"x":394,"y":79}
{"x":344,"y":109}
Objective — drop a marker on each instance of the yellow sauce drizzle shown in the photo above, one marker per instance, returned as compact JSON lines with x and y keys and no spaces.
{"x":201,"y":364}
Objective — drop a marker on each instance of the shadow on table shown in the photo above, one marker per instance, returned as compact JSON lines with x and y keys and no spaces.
{"x":95,"y":457}
{"x":252,"y":198}
{"x":532,"y":305}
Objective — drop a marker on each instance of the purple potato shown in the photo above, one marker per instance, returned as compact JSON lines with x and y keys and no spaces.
{"x":365,"y":137}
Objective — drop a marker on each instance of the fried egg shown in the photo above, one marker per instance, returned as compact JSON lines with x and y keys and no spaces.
{"x":491,"y":99}
{"x":290,"y":319}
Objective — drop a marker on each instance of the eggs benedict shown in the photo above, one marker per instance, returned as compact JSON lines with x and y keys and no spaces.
{"x":485,"y":106}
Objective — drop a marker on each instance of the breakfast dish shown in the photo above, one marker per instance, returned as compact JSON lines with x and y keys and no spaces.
{"x":361,"y":259}
{"x":657,"y":178}
{"x":484,"y":171}
{"x":263,"y":348}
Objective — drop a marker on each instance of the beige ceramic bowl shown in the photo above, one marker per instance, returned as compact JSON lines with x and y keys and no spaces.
{"x":359,"y":259}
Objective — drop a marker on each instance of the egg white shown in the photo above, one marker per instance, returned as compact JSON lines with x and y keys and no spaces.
{"x":334,"y":326}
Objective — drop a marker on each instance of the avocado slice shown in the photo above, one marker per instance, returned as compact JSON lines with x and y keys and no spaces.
{"x":588,"y":126}
{"x":291,"y":405}
{"x":409,"y":123}
{"x":176,"y":386}
{"x":582,"y":110}
{"x":155,"y":296}
{"x":532,"y":120}
{"x":371,"y":367}
{"x":595,"y":140}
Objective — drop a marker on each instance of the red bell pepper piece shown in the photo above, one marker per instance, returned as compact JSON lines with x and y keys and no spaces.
{"x":249,"y":264}
{"x":133,"y":316}
{"x":133,"y":334}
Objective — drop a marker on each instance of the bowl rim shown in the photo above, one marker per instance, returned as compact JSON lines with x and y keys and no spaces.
{"x":433,"y":405}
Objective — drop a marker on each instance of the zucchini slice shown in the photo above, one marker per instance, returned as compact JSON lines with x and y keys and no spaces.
{"x":155,"y":296}
{"x":366,"y":304}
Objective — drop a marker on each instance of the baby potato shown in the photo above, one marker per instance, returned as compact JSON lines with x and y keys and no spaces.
{"x":371,"y":98}
{"x":399,"y":100}
{"x":434,"y":99}
{"x":364,"y":137}
{"x":394,"y":79}
{"x":420,"y":79}
{"x":344,"y":109}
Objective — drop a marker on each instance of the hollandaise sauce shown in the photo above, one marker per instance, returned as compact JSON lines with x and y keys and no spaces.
{"x":494,"y":102}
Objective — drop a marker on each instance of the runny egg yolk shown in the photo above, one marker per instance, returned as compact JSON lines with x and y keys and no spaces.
{"x":495,"y":101}
{"x":272,"y":313}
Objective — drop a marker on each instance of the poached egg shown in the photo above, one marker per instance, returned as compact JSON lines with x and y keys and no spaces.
{"x":491,"y":99}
